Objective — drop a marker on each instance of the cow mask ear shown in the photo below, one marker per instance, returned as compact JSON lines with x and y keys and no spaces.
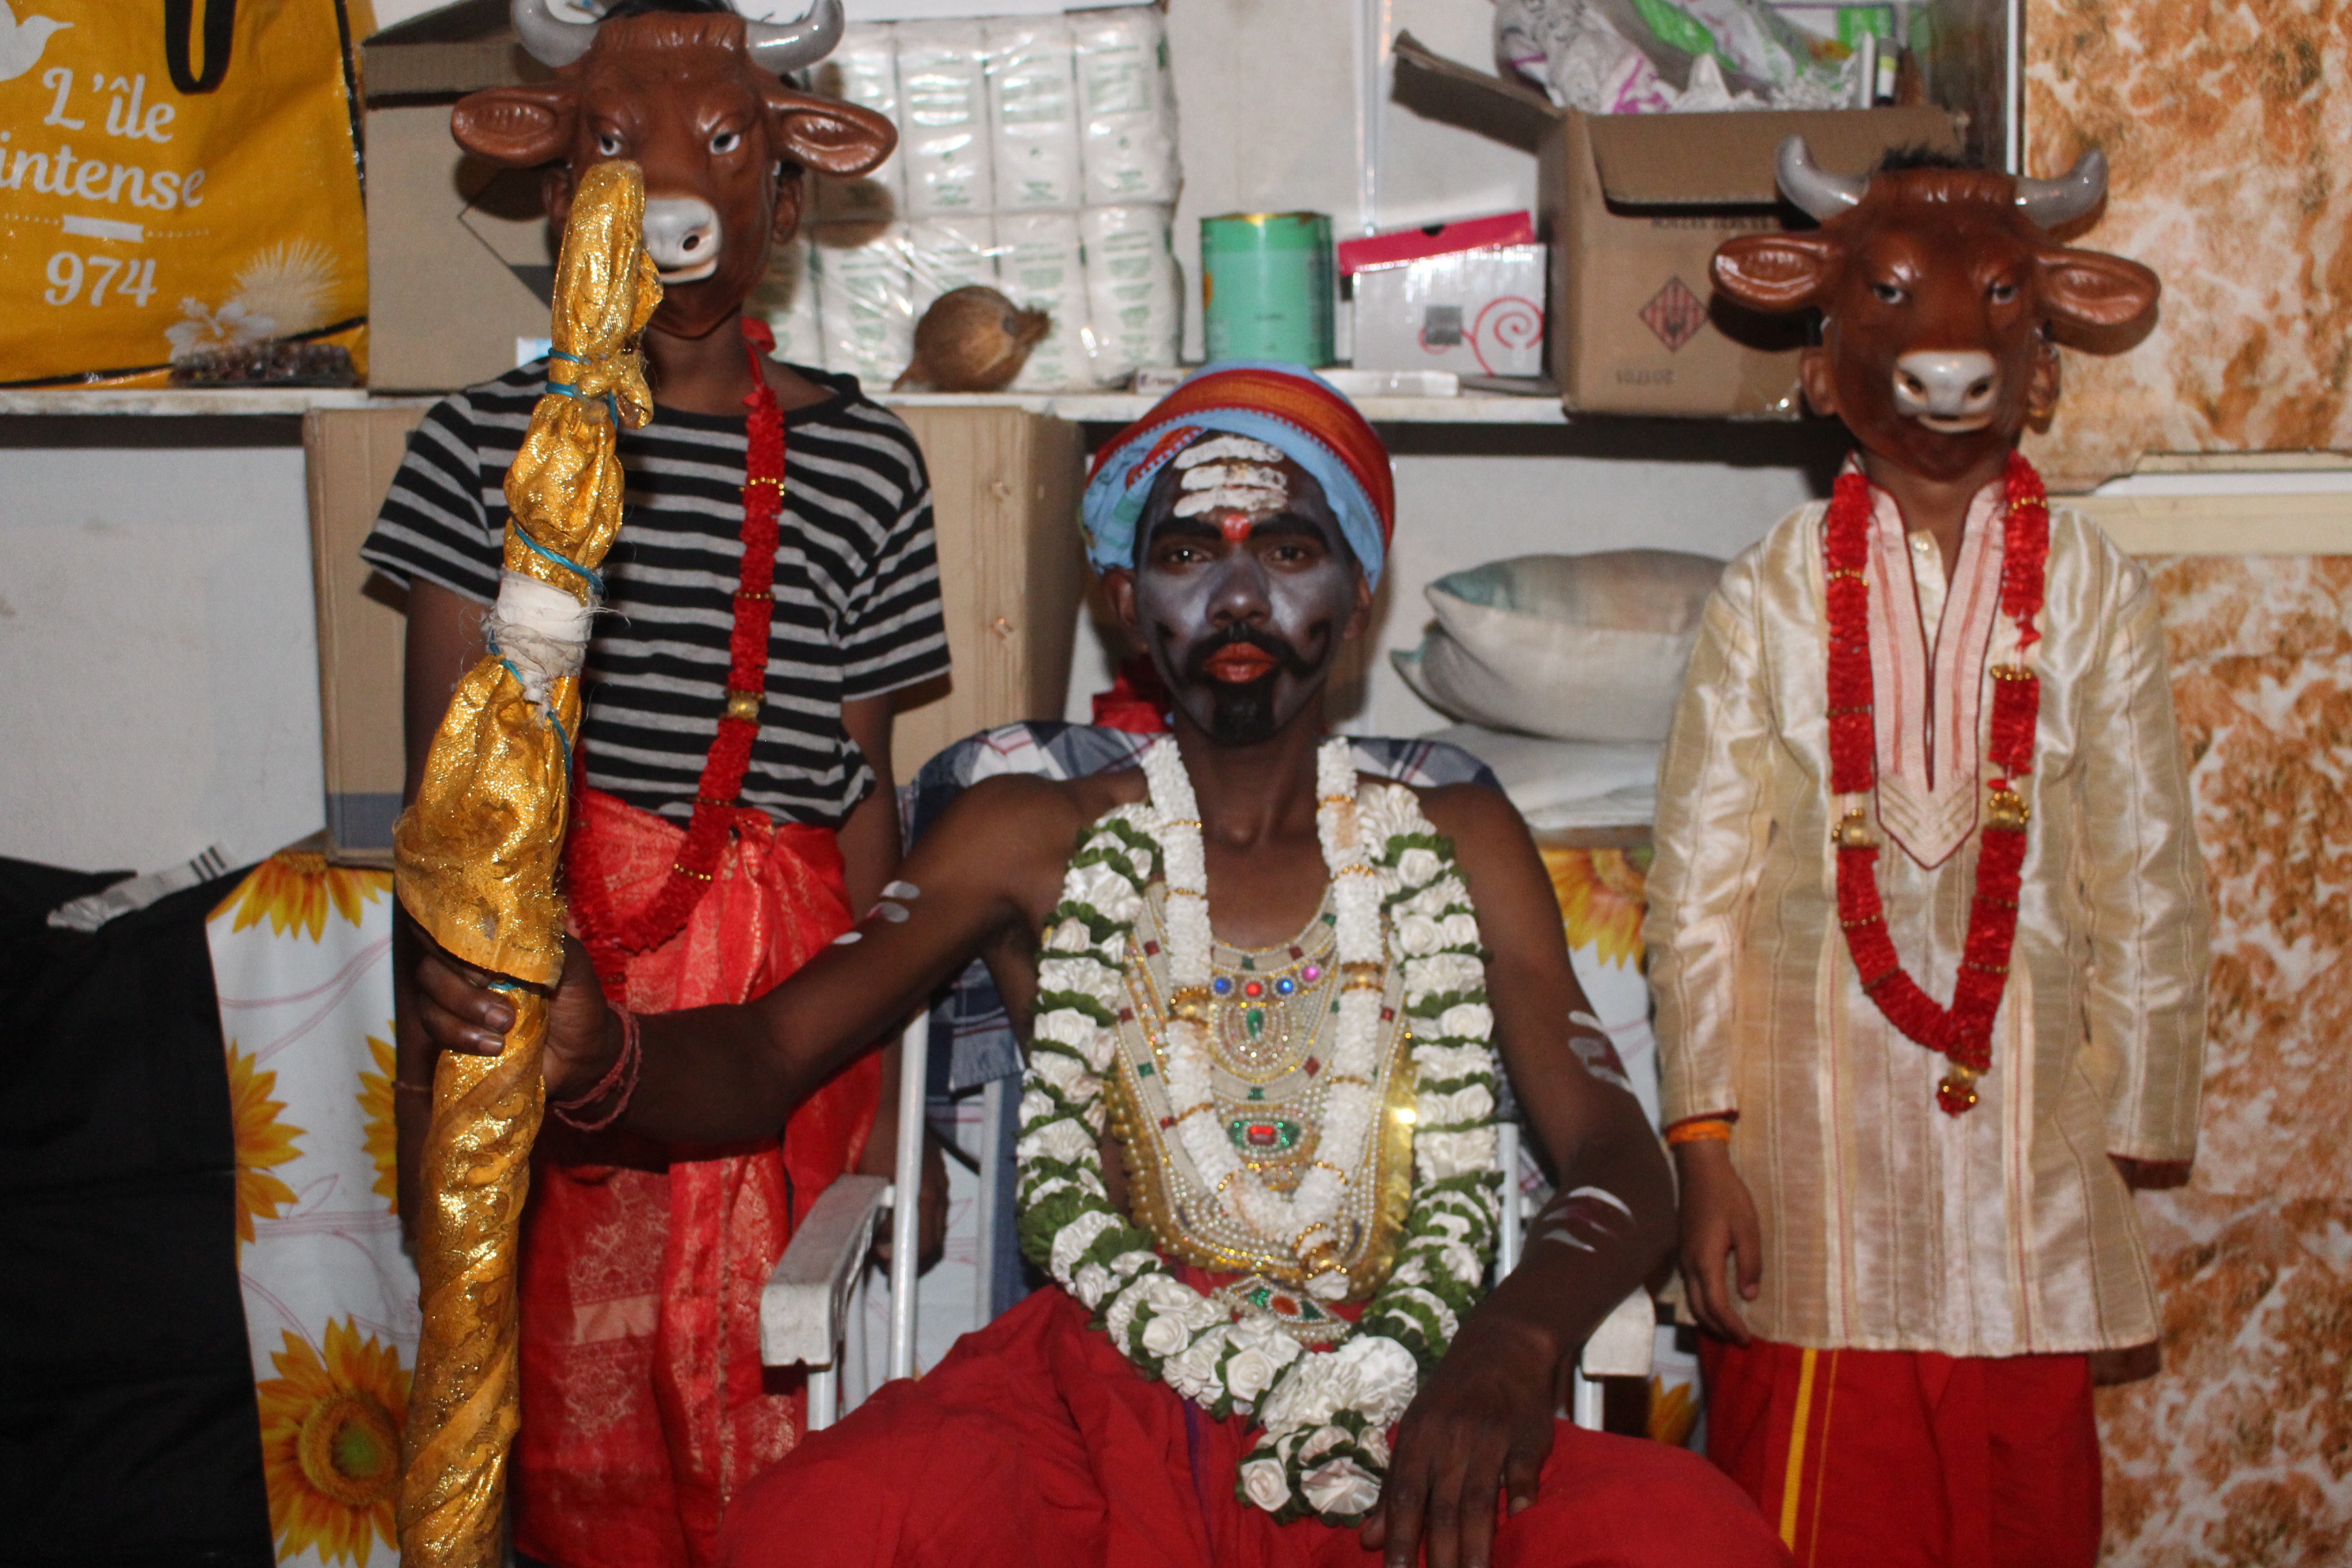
{"x":827,"y":135}
{"x":1775,"y":271}
{"x":519,"y":127}
{"x":2092,"y":289}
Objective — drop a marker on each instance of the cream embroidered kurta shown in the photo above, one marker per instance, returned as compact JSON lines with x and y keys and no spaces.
{"x":1887,"y":1223}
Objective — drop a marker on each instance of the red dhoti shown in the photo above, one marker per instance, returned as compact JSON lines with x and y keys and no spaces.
{"x":1908,"y":1458}
{"x":645,"y":1407}
{"x":1034,"y":1444}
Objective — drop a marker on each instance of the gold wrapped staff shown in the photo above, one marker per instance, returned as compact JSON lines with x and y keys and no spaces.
{"x":476,"y":856}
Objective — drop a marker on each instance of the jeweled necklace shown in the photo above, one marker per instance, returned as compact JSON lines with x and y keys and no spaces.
{"x":1962,"y":1031}
{"x":612,"y":938}
{"x":1305,"y":1218}
{"x":1323,"y":1450}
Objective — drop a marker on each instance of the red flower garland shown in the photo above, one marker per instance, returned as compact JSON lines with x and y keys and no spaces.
{"x":1962,"y":1031}
{"x":610,"y":937}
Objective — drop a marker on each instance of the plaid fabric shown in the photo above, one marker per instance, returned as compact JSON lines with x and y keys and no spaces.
{"x":973,"y":1040}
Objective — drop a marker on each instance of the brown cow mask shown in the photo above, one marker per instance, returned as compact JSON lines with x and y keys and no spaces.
{"x":1936,"y":288}
{"x":695,"y":99}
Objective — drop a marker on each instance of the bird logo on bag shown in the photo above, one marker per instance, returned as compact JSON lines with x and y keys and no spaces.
{"x":21,"y":43}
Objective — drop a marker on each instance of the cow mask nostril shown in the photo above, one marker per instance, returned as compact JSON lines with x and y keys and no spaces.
{"x":1947,"y":384}
{"x":682,"y":235}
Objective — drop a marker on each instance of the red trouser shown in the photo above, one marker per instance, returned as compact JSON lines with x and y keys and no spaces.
{"x":645,"y":1407}
{"x":1908,"y":1458}
{"x":1034,"y":1444}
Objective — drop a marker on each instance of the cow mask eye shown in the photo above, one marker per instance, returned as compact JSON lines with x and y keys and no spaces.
{"x":608,"y":143}
{"x":1889,"y":293}
{"x":2002,"y":292}
{"x":726,"y":142}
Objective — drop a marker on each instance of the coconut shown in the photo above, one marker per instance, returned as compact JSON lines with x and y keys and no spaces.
{"x":971,"y":340}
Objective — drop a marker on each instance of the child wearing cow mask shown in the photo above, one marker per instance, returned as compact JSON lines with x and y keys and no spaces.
{"x":1927,"y":924}
{"x":773,"y":583}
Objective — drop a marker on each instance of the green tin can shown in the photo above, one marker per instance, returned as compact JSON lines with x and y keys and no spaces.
{"x":1266,"y":286}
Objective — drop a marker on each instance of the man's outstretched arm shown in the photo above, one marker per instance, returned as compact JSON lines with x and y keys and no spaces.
{"x":1483,"y":1422}
{"x":991,"y":863}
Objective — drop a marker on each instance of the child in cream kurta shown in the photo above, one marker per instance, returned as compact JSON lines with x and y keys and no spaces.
{"x":1979,"y":1246}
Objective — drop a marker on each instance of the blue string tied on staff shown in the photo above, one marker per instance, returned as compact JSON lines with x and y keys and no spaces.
{"x":562,"y":736}
{"x":571,"y":389}
{"x":594,"y":579}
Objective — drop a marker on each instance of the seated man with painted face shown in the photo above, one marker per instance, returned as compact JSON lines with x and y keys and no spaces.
{"x":1268,"y":1005}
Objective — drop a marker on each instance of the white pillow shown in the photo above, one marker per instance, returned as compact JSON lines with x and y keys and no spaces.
{"x":1578,"y":648}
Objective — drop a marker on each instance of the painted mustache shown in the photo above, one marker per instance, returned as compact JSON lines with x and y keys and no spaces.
{"x":1244,"y":656}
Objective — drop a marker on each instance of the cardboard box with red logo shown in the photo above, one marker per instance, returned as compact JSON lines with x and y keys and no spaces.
{"x":1632,"y":207}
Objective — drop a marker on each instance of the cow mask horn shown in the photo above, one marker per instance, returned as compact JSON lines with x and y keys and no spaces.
{"x":2048,"y":202}
{"x":780,"y":47}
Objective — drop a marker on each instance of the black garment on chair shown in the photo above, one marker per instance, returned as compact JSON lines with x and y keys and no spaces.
{"x":128,"y":1434}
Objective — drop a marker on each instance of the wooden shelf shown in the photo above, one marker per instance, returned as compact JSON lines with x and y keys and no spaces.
{"x":1083,"y":408}
{"x":183,"y":403}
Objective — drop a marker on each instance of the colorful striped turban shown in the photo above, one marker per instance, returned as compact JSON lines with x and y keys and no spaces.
{"x":1285,"y":405}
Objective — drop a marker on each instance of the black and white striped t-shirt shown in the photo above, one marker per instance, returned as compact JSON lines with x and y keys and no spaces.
{"x":857,"y":590}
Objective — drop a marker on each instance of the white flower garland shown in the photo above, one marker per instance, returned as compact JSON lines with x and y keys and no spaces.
{"x":1326,"y":1417}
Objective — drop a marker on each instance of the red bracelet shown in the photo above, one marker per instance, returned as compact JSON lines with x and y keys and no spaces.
{"x":623,"y":1072}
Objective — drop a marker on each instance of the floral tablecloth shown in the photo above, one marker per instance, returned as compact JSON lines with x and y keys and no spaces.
{"x":302,"y":961}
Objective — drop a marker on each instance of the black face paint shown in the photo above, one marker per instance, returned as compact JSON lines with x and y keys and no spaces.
{"x":1243,"y":615}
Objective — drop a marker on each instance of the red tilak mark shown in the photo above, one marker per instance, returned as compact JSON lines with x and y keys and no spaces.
{"x":1237,"y":527}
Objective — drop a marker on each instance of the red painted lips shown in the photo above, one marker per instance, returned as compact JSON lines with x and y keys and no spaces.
{"x":1240,"y":663}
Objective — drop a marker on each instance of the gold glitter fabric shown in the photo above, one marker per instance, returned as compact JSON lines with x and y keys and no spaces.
{"x":476,"y":852}
{"x":476,"y":861}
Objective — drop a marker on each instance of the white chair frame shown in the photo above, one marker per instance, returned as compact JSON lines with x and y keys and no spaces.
{"x":806,"y":1308}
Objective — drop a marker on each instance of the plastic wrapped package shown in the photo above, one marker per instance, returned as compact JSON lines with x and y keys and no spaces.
{"x":865,"y":308}
{"x":947,"y":253}
{"x":1126,"y":105}
{"x":943,"y":119}
{"x":863,"y":69}
{"x":1134,"y":302}
{"x":1033,"y":112}
{"x":1041,"y":265}
{"x":786,"y":300}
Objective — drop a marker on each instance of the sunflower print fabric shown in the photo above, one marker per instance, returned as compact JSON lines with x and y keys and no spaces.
{"x":303,"y":961}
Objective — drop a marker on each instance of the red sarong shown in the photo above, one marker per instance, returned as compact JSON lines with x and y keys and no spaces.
{"x":1908,"y":1458}
{"x":645,"y":1407}
{"x":1034,"y":1444}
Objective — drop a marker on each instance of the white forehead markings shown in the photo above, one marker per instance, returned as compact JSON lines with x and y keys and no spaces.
{"x":1210,"y":476}
{"x":1253,"y":501}
{"x":1216,"y":446}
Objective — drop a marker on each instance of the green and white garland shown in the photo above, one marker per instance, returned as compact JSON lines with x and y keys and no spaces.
{"x":1324,"y":1449}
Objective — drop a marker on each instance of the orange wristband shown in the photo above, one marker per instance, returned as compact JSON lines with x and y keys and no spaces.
{"x":1700,"y":1129}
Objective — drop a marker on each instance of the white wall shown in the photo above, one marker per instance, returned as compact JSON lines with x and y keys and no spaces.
{"x":161,"y":686}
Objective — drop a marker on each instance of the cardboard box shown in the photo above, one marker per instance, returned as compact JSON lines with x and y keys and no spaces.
{"x":461,"y":265}
{"x":1465,"y":296}
{"x":1005,"y":493}
{"x":1634,"y":207}
{"x":363,"y":628}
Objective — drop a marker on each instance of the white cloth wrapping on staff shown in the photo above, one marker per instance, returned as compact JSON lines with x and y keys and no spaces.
{"x":540,"y":630}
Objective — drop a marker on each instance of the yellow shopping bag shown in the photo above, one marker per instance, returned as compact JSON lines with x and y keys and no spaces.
{"x":180,"y":193}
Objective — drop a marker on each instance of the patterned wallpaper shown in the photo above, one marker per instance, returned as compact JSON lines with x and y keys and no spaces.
{"x":2229,"y":127}
{"x":2238,"y":1453}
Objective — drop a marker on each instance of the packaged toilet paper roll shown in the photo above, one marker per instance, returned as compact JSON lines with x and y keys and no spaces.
{"x":1134,"y":303}
{"x":1033,"y":112}
{"x":1127,"y":106}
{"x":866,"y":310}
{"x":947,"y":253}
{"x":863,"y":69}
{"x":1041,"y":265}
{"x":943,"y":119}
